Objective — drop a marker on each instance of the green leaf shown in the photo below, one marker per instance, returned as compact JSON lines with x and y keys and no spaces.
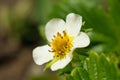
{"x":80,"y":74}
{"x":96,"y":67}
{"x":84,"y":74}
{"x":76,"y":74}
{"x":104,"y":72}
{"x":93,"y":66}
{"x":100,"y":68}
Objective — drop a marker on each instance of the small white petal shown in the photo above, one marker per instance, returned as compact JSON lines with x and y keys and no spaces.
{"x":82,"y":40}
{"x":61,"y":63}
{"x":54,"y":26}
{"x":41,"y":55}
{"x":73,"y":23}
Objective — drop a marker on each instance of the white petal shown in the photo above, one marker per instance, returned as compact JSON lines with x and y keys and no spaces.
{"x":82,"y":40}
{"x":41,"y":55}
{"x":61,"y":63}
{"x":73,"y":23}
{"x":54,"y":26}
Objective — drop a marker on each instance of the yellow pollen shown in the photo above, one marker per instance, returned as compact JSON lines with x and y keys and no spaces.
{"x":61,"y":45}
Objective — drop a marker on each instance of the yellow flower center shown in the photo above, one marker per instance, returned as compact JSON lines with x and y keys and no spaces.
{"x":61,"y":45}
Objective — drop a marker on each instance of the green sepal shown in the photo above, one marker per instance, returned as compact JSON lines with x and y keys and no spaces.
{"x":83,"y":23}
{"x":49,"y":64}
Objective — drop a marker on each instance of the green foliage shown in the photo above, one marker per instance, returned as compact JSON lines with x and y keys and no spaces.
{"x":69,"y":77}
{"x":96,"y":67}
{"x":42,"y":9}
{"x":80,"y":74}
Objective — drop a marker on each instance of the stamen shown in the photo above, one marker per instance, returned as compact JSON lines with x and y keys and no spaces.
{"x":61,"y":45}
{"x":58,"y":34}
{"x":54,"y":36}
{"x":64,"y":33}
{"x":51,"y":51}
{"x":49,"y":44}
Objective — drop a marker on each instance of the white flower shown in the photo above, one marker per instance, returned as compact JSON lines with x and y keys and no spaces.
{"x":63,"y":37}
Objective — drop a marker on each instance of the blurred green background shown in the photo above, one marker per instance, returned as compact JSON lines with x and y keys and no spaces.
{"x":22,"y":25}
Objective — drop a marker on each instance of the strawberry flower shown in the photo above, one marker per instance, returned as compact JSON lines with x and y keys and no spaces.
{"x":63,"y":38}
